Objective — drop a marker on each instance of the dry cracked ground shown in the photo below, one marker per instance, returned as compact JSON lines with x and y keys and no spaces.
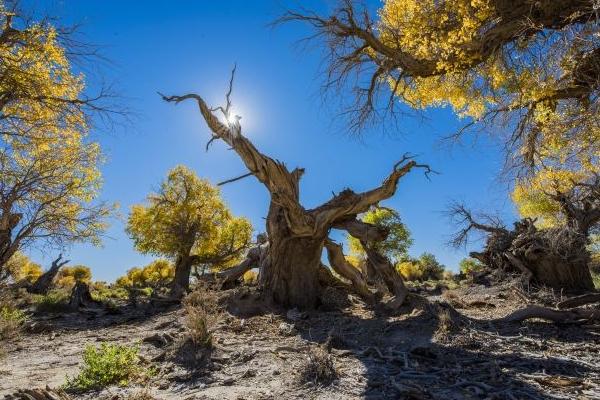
{"x":262,"y":353}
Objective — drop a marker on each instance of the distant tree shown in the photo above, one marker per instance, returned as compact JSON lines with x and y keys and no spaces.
{"x":469,"y":265}
{"x":410,"y":270}
{"x":424,"y":268}
{"x":396,"y":244}
{"x":49,"y":172}
{"x":187,"y":221}
{"x":69,"y":276}
{"x":156,"y":274}
{"x":432,"y":269}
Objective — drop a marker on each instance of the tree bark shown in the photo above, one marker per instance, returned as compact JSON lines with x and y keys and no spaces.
{"x":81,"y":297}
{"x":181,"y":281}
{"x":290,"y":274}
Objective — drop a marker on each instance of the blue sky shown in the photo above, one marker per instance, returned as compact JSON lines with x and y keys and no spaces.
{"x":190,"y":46}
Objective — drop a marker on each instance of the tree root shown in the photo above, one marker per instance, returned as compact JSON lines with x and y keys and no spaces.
{"x":575,"y":315}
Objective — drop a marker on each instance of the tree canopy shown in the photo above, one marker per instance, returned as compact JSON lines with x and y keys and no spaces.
{"x":49,"y":169}
{"x":532,"y":66}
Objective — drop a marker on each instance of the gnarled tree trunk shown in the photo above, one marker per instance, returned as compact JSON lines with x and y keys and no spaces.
{"x":43,"y":284}
{"x":290,"y":271}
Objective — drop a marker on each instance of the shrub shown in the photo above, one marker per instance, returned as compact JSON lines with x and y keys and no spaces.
{"x":11,"y":320}
{"x":156,"y":274}
{"x":55,"y":301}
{"x":107,"y":365}
{"x":596,"y":279}
{"x":201,"y":315}
{"x":319,"y":368}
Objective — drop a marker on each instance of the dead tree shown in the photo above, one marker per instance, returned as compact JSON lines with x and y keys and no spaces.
{"x":556,"y":257}
{"x":44,"y":282}
{"x":297,"y":236}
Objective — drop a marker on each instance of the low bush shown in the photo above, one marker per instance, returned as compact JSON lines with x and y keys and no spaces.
{"x":319,"y":368}
{"x":11,"y":320}
{"x":110,"y":364}
{"x":201,"y":315}
{"x":55,"y":301}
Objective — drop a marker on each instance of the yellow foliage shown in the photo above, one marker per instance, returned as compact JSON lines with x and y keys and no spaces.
{"x":447,"y":38}
{"x":67,"y":276}
{"x":157,"y":273}
{"x":48,"y":166}
{"x":187,"y":217}
{"x":250,"y":277}
{"x":410,"y":270}
{"x":20,"y":267}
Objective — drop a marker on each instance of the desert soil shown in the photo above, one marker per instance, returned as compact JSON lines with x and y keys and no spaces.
{"x":260,"y":353}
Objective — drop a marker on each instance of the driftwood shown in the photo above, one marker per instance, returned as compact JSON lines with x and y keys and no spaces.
{"x":43,"y":284}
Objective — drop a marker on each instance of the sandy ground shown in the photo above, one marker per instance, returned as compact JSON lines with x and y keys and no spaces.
{"x":420,"y":352}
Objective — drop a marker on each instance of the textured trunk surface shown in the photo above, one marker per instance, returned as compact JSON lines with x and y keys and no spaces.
{"x":572,"y":276}
{"x":290,"y":275}
{"x":181,"y":282}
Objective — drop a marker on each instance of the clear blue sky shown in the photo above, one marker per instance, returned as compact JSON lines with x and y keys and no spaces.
{"x":182,"y":46}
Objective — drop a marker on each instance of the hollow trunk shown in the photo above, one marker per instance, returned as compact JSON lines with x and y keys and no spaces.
{"x":181,"y":281}
{"x":290,"y":274}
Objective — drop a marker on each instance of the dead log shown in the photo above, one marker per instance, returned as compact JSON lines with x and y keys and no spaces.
{"x":557,"y":257}
{"x":43,"y":284}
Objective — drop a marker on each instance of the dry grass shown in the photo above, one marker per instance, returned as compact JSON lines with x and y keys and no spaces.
{"x":319,"y":368}
{"x":202,"y":313}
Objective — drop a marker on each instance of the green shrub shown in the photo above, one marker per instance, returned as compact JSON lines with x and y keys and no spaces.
{"x":107,"y":365}
{"x":11,"y":319}
{"x":56,"y":301}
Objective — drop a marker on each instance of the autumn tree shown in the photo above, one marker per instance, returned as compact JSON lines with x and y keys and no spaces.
{"x":20,"y":268}
{"x":290,"y":267}
{"x":49,"y":175}
{"x":158,"y":273}
{"x":531,"y":67}
{"x":69,"y":276}
{"x":531,"y":64}
{"x":187,"y":221}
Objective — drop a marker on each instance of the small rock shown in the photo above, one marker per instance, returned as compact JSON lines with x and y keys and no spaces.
{"x":228,"y":381}
{"x":287,"y":329}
